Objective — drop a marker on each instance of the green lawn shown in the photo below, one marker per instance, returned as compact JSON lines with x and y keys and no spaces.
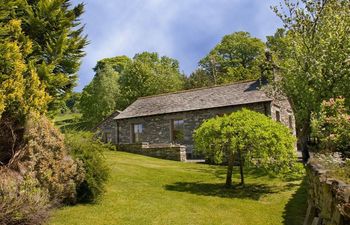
{"x":70,"y":121}
{"x":144,"y":190}
{"x":66,"y":119}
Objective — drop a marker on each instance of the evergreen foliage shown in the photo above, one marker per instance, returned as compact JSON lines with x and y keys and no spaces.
{"x":40,"y":49}
{"x":22,"y":201}
{"x":58,"y":42}
{"x":45,"y":158}
{"x":90,"y":152}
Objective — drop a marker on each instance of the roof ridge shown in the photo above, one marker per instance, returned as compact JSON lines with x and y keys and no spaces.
{"x":196,"y":89}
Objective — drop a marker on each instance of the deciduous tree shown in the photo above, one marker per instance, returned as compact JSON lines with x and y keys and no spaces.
{"x":237,"y":57}
{"x":99,"y":98}
{"x":313,"y":56}
{"x":102,"y":95}
{"x":250,"y":138}
{"x":149,"y":74}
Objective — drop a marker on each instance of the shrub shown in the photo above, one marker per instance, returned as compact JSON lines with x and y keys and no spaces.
{"x":21,"y":200}
{"x":332,"y":126}
{"x":84,"y":148}
{"x":45,"y":157}
{"x":251,"y":138}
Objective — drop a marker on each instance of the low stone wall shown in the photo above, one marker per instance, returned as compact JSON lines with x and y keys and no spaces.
{"x":163,"y":151}
{"x":328,"y":199}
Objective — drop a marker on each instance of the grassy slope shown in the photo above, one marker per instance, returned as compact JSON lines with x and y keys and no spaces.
{"x":71,"y":121}
{"x":66,"y":119}
{"x":145,"y":190}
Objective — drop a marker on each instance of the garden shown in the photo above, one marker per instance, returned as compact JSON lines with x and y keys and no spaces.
{"x":145,"y":190}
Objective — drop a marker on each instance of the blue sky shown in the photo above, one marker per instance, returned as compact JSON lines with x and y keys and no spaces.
{"x":182,"y":29}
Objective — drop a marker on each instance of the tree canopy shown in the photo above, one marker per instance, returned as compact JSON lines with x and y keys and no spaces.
{"x":249,"y":137}
{"x":40,"y":49}
{"x":312,"y":56}
{"x":237,"y":57}
{"x":99,"y":98}
{"x":52,"y":43}
{"x":149,"y":74}
{"x":58,"y":42}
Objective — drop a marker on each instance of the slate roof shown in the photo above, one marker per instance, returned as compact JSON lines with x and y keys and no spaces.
{"x":196,"y":99}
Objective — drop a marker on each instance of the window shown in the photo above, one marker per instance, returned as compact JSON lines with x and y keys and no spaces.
{"x":290,"y":121}
{"x":178,"y":134}
{"x":108,"y":137}
{"x":137,"y":130}
{"x":278,"y":116}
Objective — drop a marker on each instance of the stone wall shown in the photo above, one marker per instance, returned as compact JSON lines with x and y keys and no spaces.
{"x":286,"y":113}
{"x":157,"y":129}
{"x":107,"y":129}
{"x":163,"y":151}
{"x":328,"y":199}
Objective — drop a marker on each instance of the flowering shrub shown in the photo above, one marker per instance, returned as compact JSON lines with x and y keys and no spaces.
{"x":332,"y":126}
{"x":46,"y":158}
{"x":21,"y":200}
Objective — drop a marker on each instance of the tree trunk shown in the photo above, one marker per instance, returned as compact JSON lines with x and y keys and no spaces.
{"x":303,"y":134}
{"x":229,"y":170}
{"x":241,"y":167}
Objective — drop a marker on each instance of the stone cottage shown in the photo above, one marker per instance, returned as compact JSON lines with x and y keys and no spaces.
{"x":163,"y":125}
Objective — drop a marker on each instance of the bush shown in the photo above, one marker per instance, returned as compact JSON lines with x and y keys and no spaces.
{"x":332,"y":126}
{"x":21,"y":200}
{"x":46,"y":158}
{"x":250,"y":138}
{"x":84,"y":148}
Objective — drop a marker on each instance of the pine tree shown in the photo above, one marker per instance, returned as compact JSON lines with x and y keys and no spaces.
{"x":58,"y":42}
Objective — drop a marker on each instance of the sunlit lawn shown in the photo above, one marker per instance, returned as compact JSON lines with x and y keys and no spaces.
{"x":70,"y":121}
{"x":144,"y":190}
{"x":65,"y":119}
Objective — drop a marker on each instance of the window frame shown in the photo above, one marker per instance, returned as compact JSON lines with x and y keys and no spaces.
{"x":108,"y":137}
{"x":173,"y":130}
{"x":136,"y":137}
{"x":278,"y":115}
{"x":290,"y":121}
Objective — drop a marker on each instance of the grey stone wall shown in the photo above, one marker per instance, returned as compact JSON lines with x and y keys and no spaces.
{"x":157,"y":129}
{"x":286,"y":113}
{"x":107,"y":129}
{"x":328,"y":198}
{"x":171,"y":152}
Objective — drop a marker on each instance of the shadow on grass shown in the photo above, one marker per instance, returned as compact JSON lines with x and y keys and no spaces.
{"x":220,"y":172}
{"x":295,"y":209}
{"x":250,"y":191}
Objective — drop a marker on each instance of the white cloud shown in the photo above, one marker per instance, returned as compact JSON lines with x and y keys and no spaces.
{"x":184,"y":29}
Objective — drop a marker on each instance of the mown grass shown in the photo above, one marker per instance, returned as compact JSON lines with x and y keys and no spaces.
{"x":71,"y":121}
{"x":144,"y":190}
{"x":66,"y":119}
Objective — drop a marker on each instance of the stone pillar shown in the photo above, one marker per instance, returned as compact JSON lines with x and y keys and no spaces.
{"x":183,"y":153}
